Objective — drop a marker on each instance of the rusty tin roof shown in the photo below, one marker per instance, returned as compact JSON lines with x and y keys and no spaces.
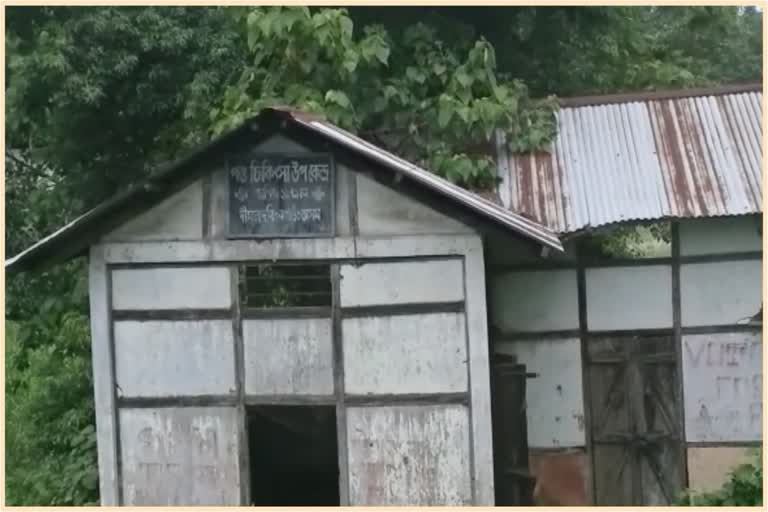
{"x":695,"y":153}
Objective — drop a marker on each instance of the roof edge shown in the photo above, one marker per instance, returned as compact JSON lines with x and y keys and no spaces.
{"x":609,"y":99}
{"x":568,"y":236}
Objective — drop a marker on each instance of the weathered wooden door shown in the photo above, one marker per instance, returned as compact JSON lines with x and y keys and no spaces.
{"x":512,"y":480}
{"x":637,"y":448}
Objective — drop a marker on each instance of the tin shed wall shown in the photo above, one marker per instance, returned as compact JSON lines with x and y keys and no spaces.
{"x":722,"y":366}
{"x":535,"y":316}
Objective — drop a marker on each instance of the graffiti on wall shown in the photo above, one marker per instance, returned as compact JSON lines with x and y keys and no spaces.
{"x":723,"y":382}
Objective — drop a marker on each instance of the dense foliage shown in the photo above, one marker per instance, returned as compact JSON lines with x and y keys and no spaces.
{"x":99,"y":96}
{"x":744,"y":488}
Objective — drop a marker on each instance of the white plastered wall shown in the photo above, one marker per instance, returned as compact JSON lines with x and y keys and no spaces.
{"x":722,"y":367}
{"x":720,"y":286}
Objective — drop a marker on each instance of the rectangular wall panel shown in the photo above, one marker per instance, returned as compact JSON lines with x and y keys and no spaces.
{"x":562,"y":477}
{"x":554,"y":398}
{"x":375,"y":284}
{"x":165,"y":358}
{"x":709,"y":466}
{"x":720,"y":235}
{"x":405,"y":354}
{"x":409,"y":456}
{"x":723,"y":391}
{"x":171,"y":288}
{"x":545,"y":300}
{"x":288,"y":356}
{"x":721,"y":293}
{"x":629,"y":298}
{"x":180,"y":456}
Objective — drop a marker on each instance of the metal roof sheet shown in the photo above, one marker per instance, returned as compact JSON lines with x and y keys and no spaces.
{"x":642,"y":158}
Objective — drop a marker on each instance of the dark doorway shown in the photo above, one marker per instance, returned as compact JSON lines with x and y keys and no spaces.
{"x":513,"y":481}
{"x":293,"y":456}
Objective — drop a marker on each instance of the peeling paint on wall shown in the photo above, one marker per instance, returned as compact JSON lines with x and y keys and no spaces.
{"x":406,"y":354}
{"x":288,"y":356}
{"x":409,"y":456}
{"x":158,"y":446}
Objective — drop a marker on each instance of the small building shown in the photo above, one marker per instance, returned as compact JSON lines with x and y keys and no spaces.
{"x":293,"y":316}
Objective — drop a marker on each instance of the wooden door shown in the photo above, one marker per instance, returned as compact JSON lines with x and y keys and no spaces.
{"x":512,"y":480}
{"x":637,"y":449}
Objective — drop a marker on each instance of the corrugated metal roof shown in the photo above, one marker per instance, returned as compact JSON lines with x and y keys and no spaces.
{"x":642,"y":158}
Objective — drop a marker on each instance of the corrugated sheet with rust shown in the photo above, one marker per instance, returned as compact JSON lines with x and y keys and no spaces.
{"x":642,"y":159}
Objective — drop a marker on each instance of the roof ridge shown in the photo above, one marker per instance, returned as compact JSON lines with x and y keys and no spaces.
{"x":664,"y":94}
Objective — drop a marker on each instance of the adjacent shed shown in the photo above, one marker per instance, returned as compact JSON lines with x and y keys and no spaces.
{"x":649,"y":364}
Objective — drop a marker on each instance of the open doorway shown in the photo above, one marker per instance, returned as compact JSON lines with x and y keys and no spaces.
{"x":293,"y":456}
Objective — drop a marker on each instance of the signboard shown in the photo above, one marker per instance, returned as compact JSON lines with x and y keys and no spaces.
{"x":723,"y":387}
{"x":273,"y":196}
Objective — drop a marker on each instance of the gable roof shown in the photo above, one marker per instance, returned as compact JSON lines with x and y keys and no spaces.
{"x":76,"y":236}
{"x":642,"y":157}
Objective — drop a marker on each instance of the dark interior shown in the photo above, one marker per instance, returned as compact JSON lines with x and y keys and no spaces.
{"x":293,"y":456}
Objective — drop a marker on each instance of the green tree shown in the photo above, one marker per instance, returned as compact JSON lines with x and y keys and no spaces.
{"x":100,"y":92}
{"x":420,"y":96}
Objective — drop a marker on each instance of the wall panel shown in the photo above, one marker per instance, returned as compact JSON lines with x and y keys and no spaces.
{"x":164,"y":358}
{"x":180,"y":456}
{"x":629,"y":298}
{"x":402,"y":283}
{"x":562,"y":477}
{"x":171,"y":288}
{"x":720,"y":235}
{"x":709,"y":466}
{"x":288,"y":356}
{"x":721,"y":293}
{"x":545,"y":300}
{"x":405,"y":354}
{"x":409,"y":456}
{"x":723,"y":381}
